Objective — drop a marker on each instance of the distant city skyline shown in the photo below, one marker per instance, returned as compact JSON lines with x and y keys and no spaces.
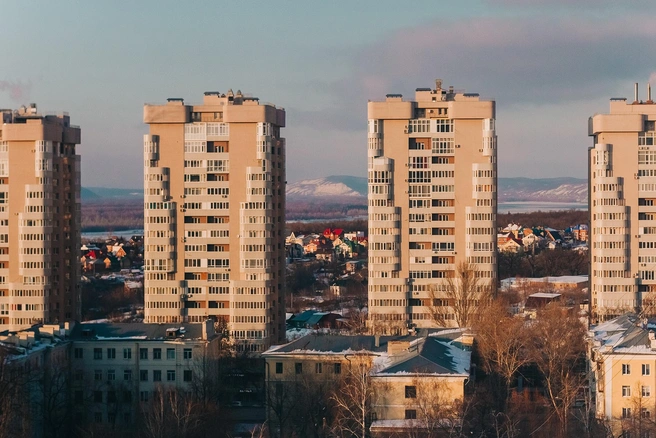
{"x":548,"y":64}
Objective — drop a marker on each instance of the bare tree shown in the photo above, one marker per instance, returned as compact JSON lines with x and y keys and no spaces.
{"x":558,"y":349}
{"x":458,"y":299}
{"x":438,"y":415}
{"x":171,"y":414}
{"x":354,"y":398}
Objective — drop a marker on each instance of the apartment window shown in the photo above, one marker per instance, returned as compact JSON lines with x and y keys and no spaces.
{"x":157,"y":353}
{"x":79,"y":375}
{"x":157,"y":375}
{"x":127,"y":417}
{"x":97,"y":396}
{"x":644,"y":413}
{"x":410,"y":392}
{"x":318,"y":367}
{"x":111,"y":375}
{"x":187,"y":375}
{"x":111,"y":396}
{"x":626,"y":391}
{"x":97,"y":375}
{"x":143,"y":375}
{"x":79,"y":397}
{"x":127,"y":375}
{"x":646,"y":369}
{"x":646,"y":391}
{"x":278,"y":367}
{"x":298,"y":366}
{"x":97,"y":417}
{"x":410,"y":414}
{"x":626,"y":368}
{"x":127,"y":353}
{"x":170,"y":375}
{"x":187,"y":353}
{"x":338,"y":368}
{"x":97,"y":353}
{"x":170,"y":353}
{"x":79,"y":353}
{"x":111,"y":353}
{"x":626,"y":412}
{"x":143,"y":353}
{"x":143,"y":396}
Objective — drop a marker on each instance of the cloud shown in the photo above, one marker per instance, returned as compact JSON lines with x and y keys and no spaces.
{"x":19,"y":91}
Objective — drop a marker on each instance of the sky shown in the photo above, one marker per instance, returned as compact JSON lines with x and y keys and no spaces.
{"x":548,"y":64}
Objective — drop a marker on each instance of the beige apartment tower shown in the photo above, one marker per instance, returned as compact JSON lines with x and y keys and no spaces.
{"x":622,"y":205}
{"x":432,"y":201}
{"x":39,"y":219}
{"x":215,"y":216}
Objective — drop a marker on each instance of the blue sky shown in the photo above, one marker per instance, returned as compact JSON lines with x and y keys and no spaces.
{"x":549,"y":64}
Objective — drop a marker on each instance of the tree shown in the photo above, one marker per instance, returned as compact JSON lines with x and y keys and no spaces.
{"x":437,"y":414}
{"x":558,"y":351}
{"x":459,"y":298}
{"x":354,"y":398}
{"x":171,"y":414}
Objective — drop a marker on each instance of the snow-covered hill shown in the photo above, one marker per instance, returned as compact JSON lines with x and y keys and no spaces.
{"x":340,"y":186}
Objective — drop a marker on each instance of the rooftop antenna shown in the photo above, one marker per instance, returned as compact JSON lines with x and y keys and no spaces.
{"x":649,"y":93}
{"x":635,"y":89}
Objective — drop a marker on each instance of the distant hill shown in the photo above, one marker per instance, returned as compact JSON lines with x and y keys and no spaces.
{"x":337,"y":186}
{"x":107,"y":194}
{"x":543,"y":189}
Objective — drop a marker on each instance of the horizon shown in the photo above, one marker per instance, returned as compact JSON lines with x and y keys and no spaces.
{"x":549,"y":65}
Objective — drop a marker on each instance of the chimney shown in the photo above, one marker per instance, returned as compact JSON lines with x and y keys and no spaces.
{"x":635,"y":100}
{"x":649,"y":93}
{"x":438,"y":84}
{"x":376,"y":340}
{"x":208,"y":329}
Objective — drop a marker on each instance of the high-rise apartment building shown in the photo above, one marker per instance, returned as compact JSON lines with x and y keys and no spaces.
{"x":215,"y":215}
{"x":432,"y":201}
{"x":622,"y":205}
{"x":39,"y":218}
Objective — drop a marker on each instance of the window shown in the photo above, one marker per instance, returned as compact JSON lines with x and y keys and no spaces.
{"x":79,"y":375}
{"x":79,"y":353}
{"x":644,"y":413}
{"x":157,"y":353}
{"x":187,"y":375}
{"x":111,"y":353}
{"x":127,"y":396}
{"x":111,"y":375}
{"x":646,"y":391}
{"x":318,"y":367}
{"x":97,"y":417}
{"x":626,"y":391}
{"x":127,"y":417}
{"x":278,"y":367}
{"x":298,"y":366}
{"x":111,"y":396}
{"x":170,"y":353}
{"x":338,"y":368}
{"x":170,"y":375}
{"x":127,"y":375}
{"x":626,"y":368}
{"x":143,"y":375}
{"x":187,"y":353}
{"x":97,"y":353}
{"x":143,"y":353}
{"x":157,"y":375}
{"x":97,"y":375}
{"x":410,"y":392}
{"x":410,"y":414}
{"x":97,"y":396}
{"x":646,"y":369}
{"x":143,"y":396}
{"x":79,"y":397}
{"x":127,"y":353}
{"x":626,"y":412}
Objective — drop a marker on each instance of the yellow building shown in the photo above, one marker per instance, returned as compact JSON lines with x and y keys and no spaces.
{"x":411,"y":383}
{"x":622,"y":203}
{"x":39,"y":218}
{"x":215,"y":215}
{"x":432,"y":199}
{"x":622,"y":366}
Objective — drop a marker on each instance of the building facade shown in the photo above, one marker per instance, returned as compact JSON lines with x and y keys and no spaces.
{"x":215,"y":215}
{"x":622,"y":205}
{"x":39,"y":218}
{"x":432,"y":199}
